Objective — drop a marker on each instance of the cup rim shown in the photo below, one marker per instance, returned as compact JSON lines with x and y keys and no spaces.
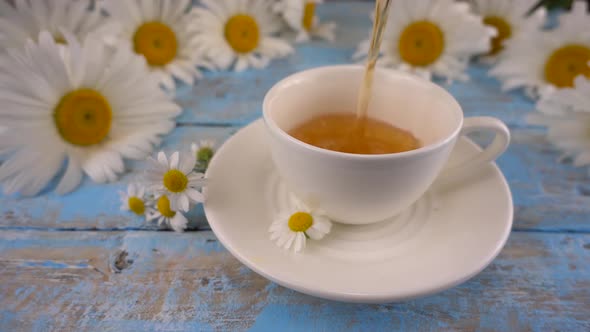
{"x":271,"y":124}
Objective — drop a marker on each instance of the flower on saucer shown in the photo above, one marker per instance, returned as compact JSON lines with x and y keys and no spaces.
{"x":541,"y":61}
{"x":509,"y":18}
{"x":134,"y":200}
{"x":159,"y":30}
{"x":85,"y":104}
{"x":29,"y":17}
{"x":203,"y":152}
{"x":239,"y":33}
{"x":300,"y":15}
{"x":164,"y":214}
{"x":292,"y":227}
{"x":431,"y":37}
{"x":566,"y":114}
{"x":176,"y":179}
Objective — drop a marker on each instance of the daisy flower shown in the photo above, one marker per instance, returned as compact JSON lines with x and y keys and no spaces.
{"x":29,"y":17}
{"x":159,"y":30}
{"x":134,"y":200}
{"x":204,"y":152}
{"x":164,"y":214}
{"x":239,"y":33}
{"x":431,"y":37}
{"x":86,"y":104}
{"x":509,"y":18}
{"x":541,"y":61}
{"x":292,"y":227}
{"x":566,"y":114}
{"x":300,"y":15}
{"x":175,"y":179}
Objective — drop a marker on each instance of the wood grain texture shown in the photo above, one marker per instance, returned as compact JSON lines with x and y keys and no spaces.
{"x":172,"y":282}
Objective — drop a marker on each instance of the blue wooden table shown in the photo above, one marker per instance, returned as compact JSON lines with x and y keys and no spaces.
{"x":77,"y":263}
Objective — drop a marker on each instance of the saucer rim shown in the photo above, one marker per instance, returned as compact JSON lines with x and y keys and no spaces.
{"x":395,"y":296}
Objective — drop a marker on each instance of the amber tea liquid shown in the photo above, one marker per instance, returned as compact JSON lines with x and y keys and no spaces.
{"x":381,"y":13}
{"x":358,"y":133}
{"x":332,"y":131}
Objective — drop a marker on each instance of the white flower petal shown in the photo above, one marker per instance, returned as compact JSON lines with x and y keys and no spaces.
{"x":163,"y":160}
{"x":178,"y":222}
{"x":187,"y":163}
{"x":183,"y":203}
{"x":241,"y":64}
{"x":195,"y":195}
{"x":174,"y":160}
{"x":566,"y":114}
{"x":299,"y":243}
{"x":290,"y":240}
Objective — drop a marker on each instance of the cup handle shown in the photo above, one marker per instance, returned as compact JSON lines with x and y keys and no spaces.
{"x":490,"y":153}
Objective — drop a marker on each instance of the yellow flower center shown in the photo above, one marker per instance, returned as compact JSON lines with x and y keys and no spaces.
{"x":83,"y":117}
{"x":242,"y":33}
{"x":156,"y":42}
{"x":308,"y":15}
{"x":566,"y":63}
{"x":60,"y":39}
{"x":136,"y":205}
{"x":504,"y":32}
{"x":421,"y":43}
{"x":175,"y":181}
{"x":300,"y":221}
{"x":163,"y":206}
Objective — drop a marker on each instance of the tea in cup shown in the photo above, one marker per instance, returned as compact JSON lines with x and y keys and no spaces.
{"x":411,"y":130}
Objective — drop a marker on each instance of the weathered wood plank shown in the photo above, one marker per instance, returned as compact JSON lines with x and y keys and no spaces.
{"x":548,"y":195}
{"x":167,"y":281}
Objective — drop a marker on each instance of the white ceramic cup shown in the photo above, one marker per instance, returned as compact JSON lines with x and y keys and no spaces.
{"x":362,"y":189}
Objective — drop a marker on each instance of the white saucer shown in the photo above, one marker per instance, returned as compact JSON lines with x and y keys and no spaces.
{"x":447,"y":237}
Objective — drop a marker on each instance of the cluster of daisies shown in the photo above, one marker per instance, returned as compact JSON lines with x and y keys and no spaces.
{"x":438,"y":38}
{"x":86,"y":85}
{"x":170,"y":187}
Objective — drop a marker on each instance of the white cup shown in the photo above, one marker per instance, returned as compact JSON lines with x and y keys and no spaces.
{"x":362,"y":189}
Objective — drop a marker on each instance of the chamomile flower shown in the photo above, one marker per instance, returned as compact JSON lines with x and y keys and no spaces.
{"x":292,"y":227}
{"x":541,"y":61}
{"x":164,"y":214}
{"x":239,"y":33}
{"x":509,"y":18}
{"x":204,"y":152}
{"x":175,"y":179}
{"x":431,"y":37}
{"x":135,"y":200}
{"x":566,"y":114}
{"x":29,"y":17}
{"x":85,"y":104}
{"x":300,"y":15}
{"x":159,"y":30}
